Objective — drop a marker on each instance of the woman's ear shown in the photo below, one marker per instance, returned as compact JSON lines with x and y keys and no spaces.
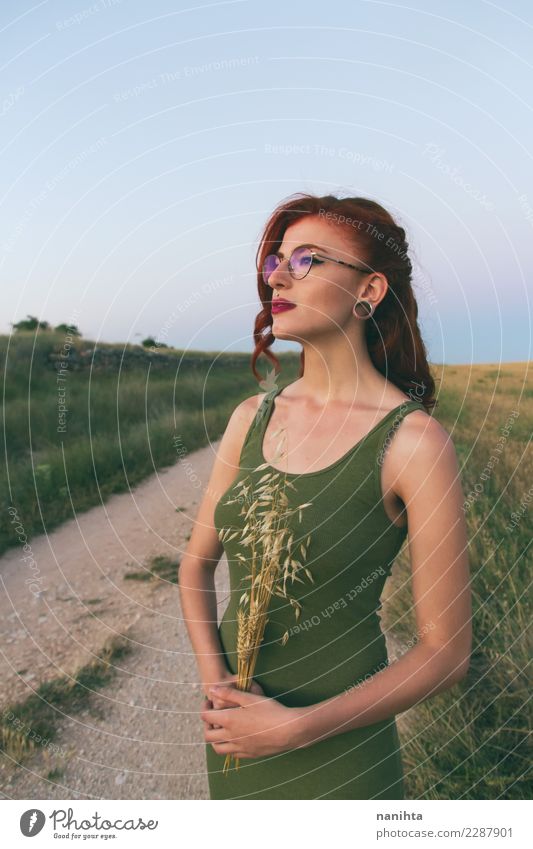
{"x":374,"y":288}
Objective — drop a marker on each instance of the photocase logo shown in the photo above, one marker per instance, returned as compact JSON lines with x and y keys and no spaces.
{"x":32,"y":822}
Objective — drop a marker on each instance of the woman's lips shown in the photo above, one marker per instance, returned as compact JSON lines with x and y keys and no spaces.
{"x":281,"y":307}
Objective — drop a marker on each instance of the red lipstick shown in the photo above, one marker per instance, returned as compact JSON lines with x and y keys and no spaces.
{"x":280,"y":305}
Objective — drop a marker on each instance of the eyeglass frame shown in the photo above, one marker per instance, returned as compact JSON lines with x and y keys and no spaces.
{"x":313,"y":253}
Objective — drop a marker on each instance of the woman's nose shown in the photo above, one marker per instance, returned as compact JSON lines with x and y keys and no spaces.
{"x":280,"y":274}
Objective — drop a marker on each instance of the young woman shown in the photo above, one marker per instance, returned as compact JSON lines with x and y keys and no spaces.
{"x":319,"y":723}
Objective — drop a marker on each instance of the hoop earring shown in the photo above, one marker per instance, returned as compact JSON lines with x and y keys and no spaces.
{"x":369,"y":310}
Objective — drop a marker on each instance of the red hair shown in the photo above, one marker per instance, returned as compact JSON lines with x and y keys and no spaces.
{"x":393,"y":337}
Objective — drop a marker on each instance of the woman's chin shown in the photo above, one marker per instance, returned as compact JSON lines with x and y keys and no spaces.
{"x":281,"y":333}
{"x":281,"y":327}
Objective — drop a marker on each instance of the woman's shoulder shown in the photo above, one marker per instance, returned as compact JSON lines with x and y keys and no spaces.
{"x":251,"y":405}
{"x":421,"y":455}
{"x":422,"y":434}
{"x":239,"y":427}
{"x":245,"y":412}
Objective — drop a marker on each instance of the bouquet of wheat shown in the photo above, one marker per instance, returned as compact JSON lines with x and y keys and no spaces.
{"x":270,"y":564}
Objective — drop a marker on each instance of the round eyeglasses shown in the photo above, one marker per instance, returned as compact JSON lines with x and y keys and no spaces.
{"x":300,"y":262}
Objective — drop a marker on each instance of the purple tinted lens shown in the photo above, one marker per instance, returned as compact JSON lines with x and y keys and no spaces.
{"x":301,"y":260}
{"x":270,"y":264}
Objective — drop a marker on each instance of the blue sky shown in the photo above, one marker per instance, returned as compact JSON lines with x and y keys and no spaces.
{"x":143,"y":147}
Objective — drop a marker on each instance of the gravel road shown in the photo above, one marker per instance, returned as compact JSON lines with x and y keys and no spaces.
{"x":142,"y":737}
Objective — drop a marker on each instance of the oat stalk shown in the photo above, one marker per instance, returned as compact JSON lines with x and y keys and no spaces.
{"x":271,"y":563}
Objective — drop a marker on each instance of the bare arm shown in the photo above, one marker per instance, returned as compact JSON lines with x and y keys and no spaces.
{"x":204,"y":550}
{"x":427,"y":480}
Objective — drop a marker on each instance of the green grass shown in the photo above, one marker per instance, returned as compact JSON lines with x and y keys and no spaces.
{"x":159,"y":568}
{"x":33,"y":722}
{"x":471,"y":742}
{"x":124,"y":420}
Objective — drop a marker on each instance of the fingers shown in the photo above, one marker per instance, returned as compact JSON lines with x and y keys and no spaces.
{"x":217,"y":703}
{"x":216,"y":735}
{"x":210,"y":706}
{"x":229,"y":749}
{"x":255,"y":687}
{"x":220,"y":703}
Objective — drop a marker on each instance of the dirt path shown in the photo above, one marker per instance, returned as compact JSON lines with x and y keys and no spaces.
{"x":146,"y":740}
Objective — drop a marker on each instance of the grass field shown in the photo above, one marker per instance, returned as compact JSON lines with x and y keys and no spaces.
{"x":472,"y":742}
{"x":122,"y":422}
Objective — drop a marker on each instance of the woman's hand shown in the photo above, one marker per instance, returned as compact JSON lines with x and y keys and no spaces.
{"x":229,"y":679}
{"x":262,"y":726}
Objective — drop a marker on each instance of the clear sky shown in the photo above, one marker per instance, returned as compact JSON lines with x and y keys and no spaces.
{"x":143,"y":146}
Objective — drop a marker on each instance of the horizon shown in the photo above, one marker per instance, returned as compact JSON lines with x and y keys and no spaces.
{"x":235,"y":352}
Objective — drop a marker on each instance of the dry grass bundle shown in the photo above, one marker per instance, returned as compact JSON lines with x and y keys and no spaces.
{"x":271,"y":563}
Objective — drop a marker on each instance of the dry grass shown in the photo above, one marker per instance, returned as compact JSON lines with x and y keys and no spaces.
{"x":271,"y":562}
{"x":472,"y":742}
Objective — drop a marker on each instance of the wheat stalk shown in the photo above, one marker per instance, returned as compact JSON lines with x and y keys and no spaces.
{"x":272,"y":563}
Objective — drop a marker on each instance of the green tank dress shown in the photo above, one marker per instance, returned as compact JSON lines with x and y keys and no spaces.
{"x":337,"y":642}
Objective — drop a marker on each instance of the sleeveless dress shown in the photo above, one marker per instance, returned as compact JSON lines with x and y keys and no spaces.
{"x":337,"y":642}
